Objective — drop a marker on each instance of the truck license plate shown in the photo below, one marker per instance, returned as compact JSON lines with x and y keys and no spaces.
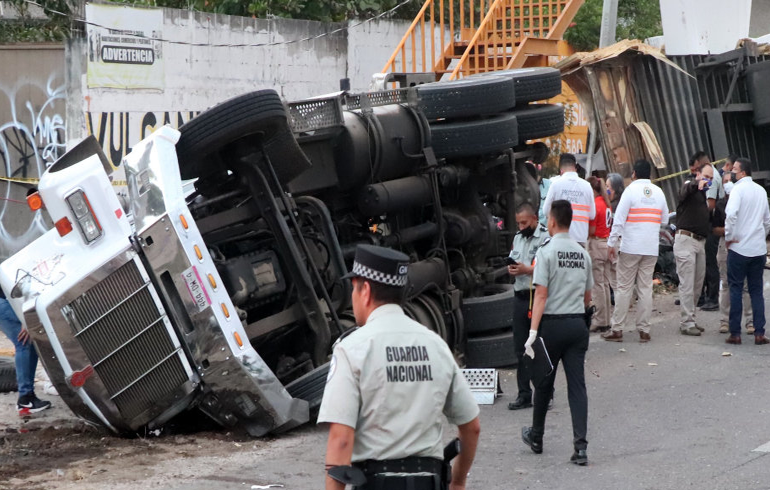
{"x":194,"y":284}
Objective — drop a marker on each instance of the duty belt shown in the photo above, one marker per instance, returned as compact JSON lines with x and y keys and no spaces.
{"x":562,"y":317}
{"x":412,"y":464}
{"x":414,"y":473}
{"x":522,"y":294}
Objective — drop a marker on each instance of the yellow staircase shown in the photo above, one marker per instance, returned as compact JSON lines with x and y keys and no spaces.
{"x":457,"y":38}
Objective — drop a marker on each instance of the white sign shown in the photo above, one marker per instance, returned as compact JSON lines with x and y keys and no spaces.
{"x":122,"y":50}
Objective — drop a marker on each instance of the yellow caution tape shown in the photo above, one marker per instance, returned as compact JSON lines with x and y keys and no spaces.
{"x":21,"y":180}
{"x":683,"y":172}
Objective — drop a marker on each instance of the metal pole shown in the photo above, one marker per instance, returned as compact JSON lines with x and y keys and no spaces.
{"x":609,"y":23}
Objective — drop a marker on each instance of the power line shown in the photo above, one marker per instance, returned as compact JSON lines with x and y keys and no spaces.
{"x":218,"y":45}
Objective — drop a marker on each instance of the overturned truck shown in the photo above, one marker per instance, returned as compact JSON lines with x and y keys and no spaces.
{"x":227,"y":297}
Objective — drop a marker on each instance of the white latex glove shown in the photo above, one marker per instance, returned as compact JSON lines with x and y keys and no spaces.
{"x":528,"y":344}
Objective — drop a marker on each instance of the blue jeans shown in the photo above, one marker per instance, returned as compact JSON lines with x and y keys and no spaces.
{"x":750,"y":269}
{"x":26,"y":356}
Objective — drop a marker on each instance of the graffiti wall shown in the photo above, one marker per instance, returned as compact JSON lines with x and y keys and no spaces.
{"x":32,"y":134}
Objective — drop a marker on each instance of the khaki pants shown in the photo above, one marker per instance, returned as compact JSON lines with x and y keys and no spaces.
{"x":690,"y":255}
{"x":634,"y":270}
{"x":602,"y":270}
{"x":724,"y":291}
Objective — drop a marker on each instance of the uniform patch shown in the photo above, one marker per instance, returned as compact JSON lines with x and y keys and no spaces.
{"x":647,"y":191}
{"x":332,"y":368}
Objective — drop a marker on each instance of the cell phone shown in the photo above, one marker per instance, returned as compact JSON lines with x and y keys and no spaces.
{"x":510,"y":261}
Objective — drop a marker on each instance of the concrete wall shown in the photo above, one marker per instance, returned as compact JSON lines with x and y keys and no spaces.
{"x":46,"y":104}
{"x":760,"y":18}
{"x":198,"y":77}
{"x":32,"y":121}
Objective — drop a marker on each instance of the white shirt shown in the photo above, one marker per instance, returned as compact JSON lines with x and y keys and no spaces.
{"x":641,"y":211}
{"x":578,"y":192}
{"x":748,"y":218}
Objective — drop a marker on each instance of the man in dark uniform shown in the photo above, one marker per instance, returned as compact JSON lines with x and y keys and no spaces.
{"x":563,"y":282}
{"x":388,"y":384}
{"x":527,"y":241}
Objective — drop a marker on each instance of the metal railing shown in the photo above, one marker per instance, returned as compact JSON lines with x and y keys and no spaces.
{"x":464,"y":37}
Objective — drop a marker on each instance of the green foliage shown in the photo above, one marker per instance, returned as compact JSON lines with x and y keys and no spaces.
{"x":57,"y":27}
{"x":28,"y":29}
{"x":321,"y":10}
{"x":637,"y":19}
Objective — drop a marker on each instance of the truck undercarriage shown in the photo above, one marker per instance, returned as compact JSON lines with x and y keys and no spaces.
{"x":228,"y":298}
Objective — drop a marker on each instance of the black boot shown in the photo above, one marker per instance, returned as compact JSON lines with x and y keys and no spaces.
{"x":534,"y":442}
{"x":579,"y":457}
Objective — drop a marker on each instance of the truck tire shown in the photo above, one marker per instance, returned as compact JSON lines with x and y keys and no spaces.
{"x":490,"y":352}
{"x":310,"y":387}
{"x":491,"y":311}
{"x":467,"y":97}
{"x":7,"y":375}
{"x":475,"y":137}
{"x":539,"y":120}
{"x":259,"y":114}
{"x":533,"y":84}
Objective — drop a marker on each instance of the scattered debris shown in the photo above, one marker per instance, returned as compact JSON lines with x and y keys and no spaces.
{"x":652,"y":363}
{"x":271,"y":485}
{"x":622,"y":349}
{"x":595,"y":373}
{"x":727,"y":354}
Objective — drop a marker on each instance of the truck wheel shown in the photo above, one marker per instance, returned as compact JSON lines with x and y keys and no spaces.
{"x":539,"y":121}
{"x":7,"y":375}
{"x":260,"y":115}
{"x":490,"y":352}
{"x":533,"y":84}
{"x":310,"y":387}
{"x":491,"y":311}
{"x":467,"y":97}
{"x":476,"y":137}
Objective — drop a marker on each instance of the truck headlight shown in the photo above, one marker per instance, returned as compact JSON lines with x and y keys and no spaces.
{"x":89,"y":225}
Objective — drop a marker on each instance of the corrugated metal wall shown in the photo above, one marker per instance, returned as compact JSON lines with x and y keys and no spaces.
{"x":675,"y":105}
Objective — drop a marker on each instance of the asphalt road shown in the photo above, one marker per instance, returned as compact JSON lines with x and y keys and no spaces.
{"x":674,"y":413}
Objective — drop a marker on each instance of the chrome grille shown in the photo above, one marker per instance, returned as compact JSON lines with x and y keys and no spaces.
{"x":123,"y":333}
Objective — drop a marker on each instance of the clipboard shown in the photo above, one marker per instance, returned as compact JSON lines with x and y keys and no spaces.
{"x":541,"y":367}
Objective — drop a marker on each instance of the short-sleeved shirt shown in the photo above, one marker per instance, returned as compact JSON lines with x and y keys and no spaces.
{"x":603,"y":220}
{"x":523,"y":251}
{"x":580,"y":195}
{"x":390,"y":380}
{"x":564,"y":267}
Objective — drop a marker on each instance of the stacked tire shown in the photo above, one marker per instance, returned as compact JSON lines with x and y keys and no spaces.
{"x":481,"y":115}
{"x":490,"y":113}
{"x":7,"y":375}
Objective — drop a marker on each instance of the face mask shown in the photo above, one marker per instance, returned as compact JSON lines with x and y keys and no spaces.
{"x":708,"y":183}
{"x":527,"y":232}
{"x":733,"y":179}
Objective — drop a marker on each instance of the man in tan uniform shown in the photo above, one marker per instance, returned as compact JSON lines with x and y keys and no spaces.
{"x":388,"y":384}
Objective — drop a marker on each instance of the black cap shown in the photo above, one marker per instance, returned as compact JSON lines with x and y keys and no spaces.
{"x":380,"y":264}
